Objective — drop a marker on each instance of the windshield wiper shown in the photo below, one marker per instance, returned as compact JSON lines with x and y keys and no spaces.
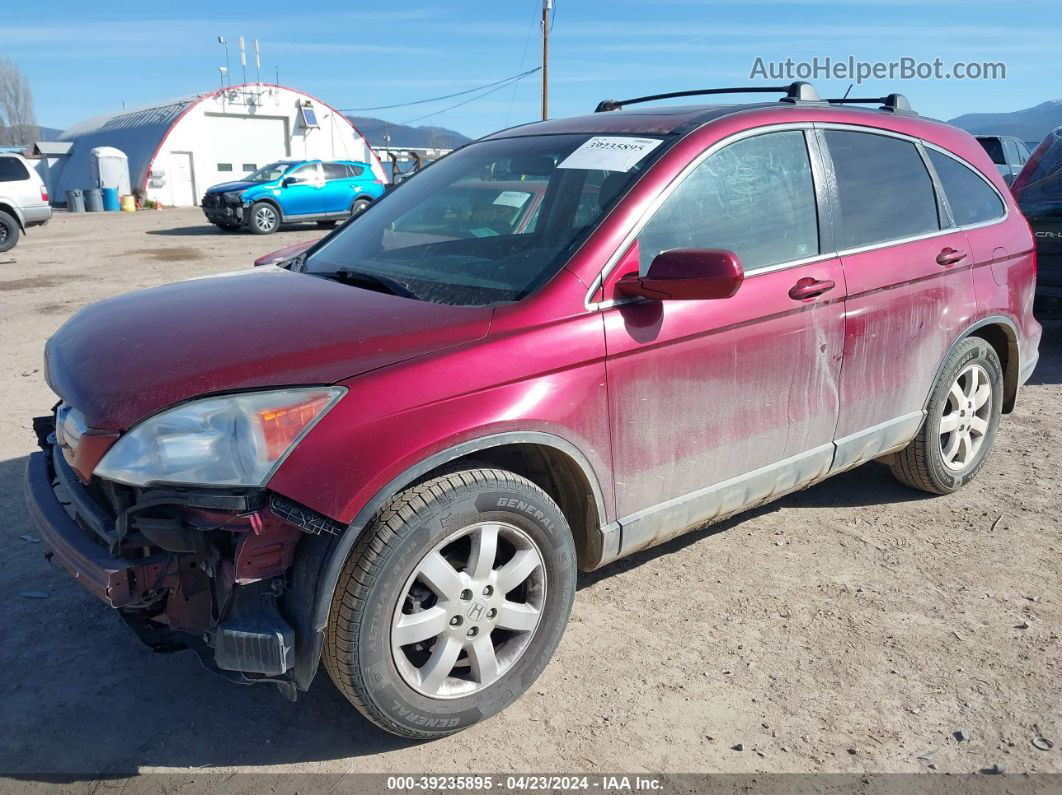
{"x":371,"y":280}
{"x":296,"y":264}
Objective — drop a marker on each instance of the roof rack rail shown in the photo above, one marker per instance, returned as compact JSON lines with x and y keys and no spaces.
{"x":799,"y":91}
{"x":893,"y":103}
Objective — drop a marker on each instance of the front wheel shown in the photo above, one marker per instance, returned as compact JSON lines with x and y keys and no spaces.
{"x":961,"y":421}
{"x":451,"y":603}
{"x":264,"y":218}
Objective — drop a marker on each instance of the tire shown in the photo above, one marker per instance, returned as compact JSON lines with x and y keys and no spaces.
{"x":264,"y":218}
{"x":930,"y":462}
{"x":326,"y":224}
{"x":9,"y":231}
{"x":359,"y":206}
{"x":384,"y":583}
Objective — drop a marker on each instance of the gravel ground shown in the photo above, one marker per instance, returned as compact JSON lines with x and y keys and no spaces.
{"x":857,"y":626}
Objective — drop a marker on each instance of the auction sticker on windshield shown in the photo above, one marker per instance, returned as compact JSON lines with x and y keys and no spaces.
{"x":610,"y":153}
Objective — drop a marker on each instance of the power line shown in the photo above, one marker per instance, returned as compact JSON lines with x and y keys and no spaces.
{"x":502,"y":82}
{"x":465,"y":102}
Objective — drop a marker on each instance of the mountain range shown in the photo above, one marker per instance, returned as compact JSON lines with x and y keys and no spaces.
{"x":381,"y":133}
{"x":1030,"y":125}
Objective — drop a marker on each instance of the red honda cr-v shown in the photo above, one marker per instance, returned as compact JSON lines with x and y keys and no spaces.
{"x":393,"y":451}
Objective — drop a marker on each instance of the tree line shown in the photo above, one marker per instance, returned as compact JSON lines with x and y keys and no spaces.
{"x":18,"y":120}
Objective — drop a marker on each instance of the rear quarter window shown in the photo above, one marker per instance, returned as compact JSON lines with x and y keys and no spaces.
{"x":883,"y":187}
{"x":971,"y":199}
{"x":12,"y":170}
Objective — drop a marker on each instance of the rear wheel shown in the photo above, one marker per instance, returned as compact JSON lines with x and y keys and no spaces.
{"x":451,"y":603}
{"x":9,"y":231}
{"x":960,"y":425}
{"x":264,"y":218}
{"x":359,"y":206}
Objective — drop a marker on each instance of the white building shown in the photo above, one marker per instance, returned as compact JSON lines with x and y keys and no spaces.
{"x":178,"y":149}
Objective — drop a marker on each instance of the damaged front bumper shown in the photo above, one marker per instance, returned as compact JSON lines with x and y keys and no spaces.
{"x":200,"y":570}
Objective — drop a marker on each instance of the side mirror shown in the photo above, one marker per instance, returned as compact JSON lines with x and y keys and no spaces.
{"x":287,"y":182}
{"x":686,"y":274}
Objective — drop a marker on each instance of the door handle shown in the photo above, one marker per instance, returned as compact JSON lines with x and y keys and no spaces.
{"x":949,"y":256}
{"x":809,"y":287}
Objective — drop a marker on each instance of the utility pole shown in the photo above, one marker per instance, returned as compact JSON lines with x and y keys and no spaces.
{"x":547,"y":7}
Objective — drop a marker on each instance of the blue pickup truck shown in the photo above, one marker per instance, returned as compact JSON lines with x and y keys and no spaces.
{"x":291,"y":191}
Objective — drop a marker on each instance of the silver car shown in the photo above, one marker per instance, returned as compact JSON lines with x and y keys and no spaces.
{"x":23,"y":199}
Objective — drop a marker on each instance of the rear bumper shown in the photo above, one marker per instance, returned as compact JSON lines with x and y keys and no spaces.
{"x":68,"y":544}
{"x":36,"y":215}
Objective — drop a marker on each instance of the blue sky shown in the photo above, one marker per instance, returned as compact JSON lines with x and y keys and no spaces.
{"x":84,"y":59}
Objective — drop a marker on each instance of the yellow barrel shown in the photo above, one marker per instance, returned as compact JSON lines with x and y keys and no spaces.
{"x":129,"y":204}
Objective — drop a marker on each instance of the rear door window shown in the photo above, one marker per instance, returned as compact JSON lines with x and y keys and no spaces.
{"x":754,"y":197}
{"x":884,"y":189}
{"x":12,"y":170}
{"x":970,"y":197}
{"x":335,"y":171}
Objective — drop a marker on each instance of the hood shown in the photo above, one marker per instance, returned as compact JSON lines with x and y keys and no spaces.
{"x":124,"y":358}
{"x":225,"y":187}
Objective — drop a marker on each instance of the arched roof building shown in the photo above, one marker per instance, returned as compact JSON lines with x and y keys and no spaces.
{"x":178,"y":149}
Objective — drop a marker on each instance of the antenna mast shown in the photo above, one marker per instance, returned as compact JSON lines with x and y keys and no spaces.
{"x":225,"y":44}
{"x":243,"y":59}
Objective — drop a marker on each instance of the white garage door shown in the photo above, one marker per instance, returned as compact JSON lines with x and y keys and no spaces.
{"x":237,"y":145}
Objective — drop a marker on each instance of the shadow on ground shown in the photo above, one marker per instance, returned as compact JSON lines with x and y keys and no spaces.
{"x":208,"y":229}
{"x":88,"y":700}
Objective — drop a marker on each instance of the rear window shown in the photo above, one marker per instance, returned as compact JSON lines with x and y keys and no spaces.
{"x":971,"y":199}
{"x":884,"y":189}
{"x":12,"y":170}
{"x":995,"y":150}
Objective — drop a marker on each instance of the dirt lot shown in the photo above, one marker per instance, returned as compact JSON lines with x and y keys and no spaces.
{"x":852,"y":627}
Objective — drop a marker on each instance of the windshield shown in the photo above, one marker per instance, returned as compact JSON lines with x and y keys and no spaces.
{"x":268,"y":173}
{"x":1038,"y":187}
{"x":491,"y":222}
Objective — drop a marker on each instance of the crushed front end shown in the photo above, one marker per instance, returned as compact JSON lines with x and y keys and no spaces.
{"x":187,"y":568}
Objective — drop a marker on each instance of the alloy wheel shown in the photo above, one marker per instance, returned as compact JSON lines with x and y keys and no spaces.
{"x":265,"y":219}
{"x":965,"y":417}
{"x":469,"y":610}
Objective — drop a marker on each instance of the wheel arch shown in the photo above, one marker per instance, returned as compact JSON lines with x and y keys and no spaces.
{"x":551,"y":462}
{"x":12,"y":209}
{"x":271,"y":201}
{"x":1000,"y":332}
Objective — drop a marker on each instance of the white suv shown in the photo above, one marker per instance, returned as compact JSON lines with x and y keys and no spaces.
{"x":23,"y":199}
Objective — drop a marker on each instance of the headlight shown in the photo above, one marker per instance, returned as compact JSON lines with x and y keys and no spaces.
{"x":234,"y":197}
{"x":234,"y":440}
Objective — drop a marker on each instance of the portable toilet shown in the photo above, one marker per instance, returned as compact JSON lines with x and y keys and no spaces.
{"x":110,"y":169}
